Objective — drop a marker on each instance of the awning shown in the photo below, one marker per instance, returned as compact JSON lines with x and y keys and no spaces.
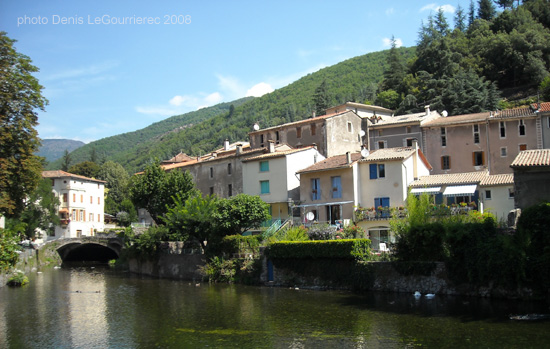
{"x":63,"y":210}
{"x":425,"y":190}
{"x":460,"y":190}
{"x":326,"y":204}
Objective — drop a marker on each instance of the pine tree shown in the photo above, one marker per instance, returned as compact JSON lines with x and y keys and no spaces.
{"x":460,"y":19}
{"x":394,"y":75}
{"x":486,"y":10}
{"x":321,"y":99}
{"x":66,"y":161}
{"x":471,"y":14}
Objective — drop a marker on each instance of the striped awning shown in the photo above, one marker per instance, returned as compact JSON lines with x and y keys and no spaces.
{"x":425,"y":190}
{"x":460,"y":190}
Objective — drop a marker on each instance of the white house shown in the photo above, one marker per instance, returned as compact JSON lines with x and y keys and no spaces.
{"x":81,"y":204}
{"x":272,"y":176}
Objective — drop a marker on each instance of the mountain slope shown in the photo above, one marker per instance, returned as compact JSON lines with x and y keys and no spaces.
{"x":53,"y":149}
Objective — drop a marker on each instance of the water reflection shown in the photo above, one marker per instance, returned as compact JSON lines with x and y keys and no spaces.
{"x":81,"y":307}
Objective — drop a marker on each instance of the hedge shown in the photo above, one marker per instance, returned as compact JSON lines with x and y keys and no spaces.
{"x":346,"y":248}
{"x":239,"y":244}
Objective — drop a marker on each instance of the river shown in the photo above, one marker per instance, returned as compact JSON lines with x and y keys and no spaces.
{"x":87,"y":307}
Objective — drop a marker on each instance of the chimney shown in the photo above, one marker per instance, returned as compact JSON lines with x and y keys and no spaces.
{"x":314,"y":146}
{"x":226,"y":145}
{"x":427,"y":109}
{"x":239,"y":149}
{"x":270,"y":146}
{"x":314,"y":114}
{"x":214,"y":154}
{"x":348,"y":158}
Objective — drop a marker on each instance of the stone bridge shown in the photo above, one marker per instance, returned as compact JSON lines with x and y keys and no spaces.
{"x":87,"y":248}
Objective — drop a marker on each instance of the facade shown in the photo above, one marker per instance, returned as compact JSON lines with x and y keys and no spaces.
{"x":272,"y":176}
{"x":363,"y":110}
{"x":471,"y":190}
{"x":333,"y":134}
{"x":81,"y":204}
{"x":531,"y":177}
{"x":484,"y":141}
{"x":398,"y":131}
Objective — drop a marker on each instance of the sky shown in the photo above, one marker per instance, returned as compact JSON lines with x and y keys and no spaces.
{"x":110,"y":67}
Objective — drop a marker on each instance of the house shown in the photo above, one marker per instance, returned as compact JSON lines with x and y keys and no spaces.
{"x":363,"y":110}
{"x":398,"y":131}
{"x":531,"y":177}
{"x":81,"y":204}
{"x":272,"y":176}
{"x":470,"y":190}
{"x":384,"y":177}
{"x":484,"y":141}
{"x":333,"y":134}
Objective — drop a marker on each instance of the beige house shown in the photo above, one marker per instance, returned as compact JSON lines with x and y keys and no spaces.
{"x":531,"y":177}
{"x":333,"y":134}
{"x":81,"y":204}
{"x":272,"y":176}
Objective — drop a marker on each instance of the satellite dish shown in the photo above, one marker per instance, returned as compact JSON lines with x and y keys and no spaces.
{"x":444,"y":113}
{"x":362,"y":133}
{"x":310,"y":216}
{"x":256,"y":127}
{"x":365,"y":152}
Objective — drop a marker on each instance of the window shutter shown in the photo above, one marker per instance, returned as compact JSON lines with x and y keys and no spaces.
{"x":473,"y":159}
{"x":373,"y":168}
{"x":385,"y":202}
{"x":483,"y":158}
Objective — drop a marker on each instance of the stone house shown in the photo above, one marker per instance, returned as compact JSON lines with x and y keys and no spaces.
{"x":531,"y":177}
{"x":81,"y":204}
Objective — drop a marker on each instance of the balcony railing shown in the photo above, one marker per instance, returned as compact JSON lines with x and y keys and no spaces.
{"x":385,"y":213}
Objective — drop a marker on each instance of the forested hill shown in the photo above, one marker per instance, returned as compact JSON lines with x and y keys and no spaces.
{"x":53,"y":149}
{"x":352,"y":80}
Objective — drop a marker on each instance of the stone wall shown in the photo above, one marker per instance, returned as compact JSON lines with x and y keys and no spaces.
{"x":173,"y":262}
{"x":32,"y":260}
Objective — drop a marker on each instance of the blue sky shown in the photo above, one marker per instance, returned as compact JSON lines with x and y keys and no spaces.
{"x":104,"y":73}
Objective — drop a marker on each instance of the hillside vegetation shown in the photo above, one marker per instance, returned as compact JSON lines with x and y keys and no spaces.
{"x":53,"y":149}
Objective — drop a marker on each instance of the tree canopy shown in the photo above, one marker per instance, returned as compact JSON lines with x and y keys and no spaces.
{"x":20,"y":97}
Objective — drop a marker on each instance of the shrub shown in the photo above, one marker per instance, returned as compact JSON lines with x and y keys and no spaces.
{"x":322,"y":232}
{"x":243,"y":270}
{"x":421,"y":243}
{"x":293,"y":234}
{"x":8,"y":249}
{"x":18,"y":279}
{"x":348,"y":249}
{"x":239,"y":244}
{"x":351,"y":232}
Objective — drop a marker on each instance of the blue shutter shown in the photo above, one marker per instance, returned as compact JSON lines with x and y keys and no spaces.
{"x":336,"y":184}
{"x":373,"y":171}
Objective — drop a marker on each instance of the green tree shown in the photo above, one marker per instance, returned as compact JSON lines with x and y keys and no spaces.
{"x":486,"y":10}
{"x":9,"y":248}
{"x":155,"y":188}
{"x":395,"y":74}
{"x":460,"y":19}
{"x":241,"y":213}
{"x":66,"y":161}
{"x":117,"y":181}
{"x":545,"y":88}
{"x":87,"y":169}
{"x":388,"y":99}
{"x":471,"y":13}
{"x":40,"y":212}
{"x":127,"y":214}
{"x":505,"y":3}
{"x":20,"y":96}
{"x":321,"y":99}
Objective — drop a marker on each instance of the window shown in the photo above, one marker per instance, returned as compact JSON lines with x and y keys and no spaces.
{"x":377,"y":171}
{"x":211,"y":172}
{"x":229,"y":169}
{"x":443,"y":137}
{"x":98,"y":217}
{"x":502,"y":126}
{"x":521,"y":127}
{"x":264,"y":166}
{"x":261,"y":140}
{"x":381,"y":144}
{"x":81,"y":218}
{"x":74,"y":197}
{"x":277,"y":137}
{"x":230,"y":190}
{"x":81,"y":198}
{"x":264,"y":187}
{"x":510,"y":193}
{"x":476,"y":134}
{"x":53,"y":182}
{"x":379,"y":133}
{"x":503,"y":152}
{"x":336,"y":187}
{"x":91,"y":219}
{"x":350,"y":127}
{"x":522,"y":147}
{"x":478,"y":158}
{"x":315,"y":189}
{"x":313,"y":129}
{"x":409,"y":129}
{"x":91,"y":199}
{"x":382,"y":202}
{"x":445,"y":162}
{"x":74,"y":215}
{"x":211,"y":190}
{"x":487,"y":195}
{"x":409,"y":142}
{"x":65,"y":197}
{"x":98,"y":200}
{"x":298,"y":132}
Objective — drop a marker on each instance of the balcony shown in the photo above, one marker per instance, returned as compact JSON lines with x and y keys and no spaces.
{"x":385,"y":213}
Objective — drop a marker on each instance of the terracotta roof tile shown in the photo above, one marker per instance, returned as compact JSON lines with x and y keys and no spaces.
{"x":500,"y":179}
{"x":398,"y":153}
{"x":537,"y":157}
{"x":284,"y":151}
{"x":332,"y":163}
{"x":457,"y":119}
{"x":61,"y":174}
{"x":451,"y":178}
{"x":304,"y":121}
{"x":405,"y":119}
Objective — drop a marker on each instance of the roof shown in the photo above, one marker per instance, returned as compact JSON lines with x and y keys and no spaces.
{"x":405,"y":119}
{"x":181,"y":157}
{"x":306,"y":121}
{"x":363,"y":106}
{"x":278,"y":153}
{"x":482,"y":178}
{"x":532,"y":158}
{"x":457,"y":119}
{"x":332,"y":163}
{"x":62,"y":174}
{"x":385,"y":154}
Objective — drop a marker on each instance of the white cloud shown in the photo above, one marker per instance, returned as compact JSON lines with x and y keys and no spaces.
{"x":435,"y":8}
{"x":259,"y":90}
{"x":232,"y":86}
{"x":387,"y":42}
{"x":213,"y":98}
{"x":73,"y":73}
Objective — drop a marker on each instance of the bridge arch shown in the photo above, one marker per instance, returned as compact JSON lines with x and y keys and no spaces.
{"x":89,"y":249}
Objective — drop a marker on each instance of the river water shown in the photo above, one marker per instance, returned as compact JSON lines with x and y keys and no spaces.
{"x":85,"y":307}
